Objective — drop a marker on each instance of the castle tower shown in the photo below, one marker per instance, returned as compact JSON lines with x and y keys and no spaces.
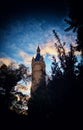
{"x":38,"y":71}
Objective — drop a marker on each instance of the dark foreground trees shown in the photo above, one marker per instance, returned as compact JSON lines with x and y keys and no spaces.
{"x":75,"y":21}
{"x":60,"y":102}
{"x":9,"y":77}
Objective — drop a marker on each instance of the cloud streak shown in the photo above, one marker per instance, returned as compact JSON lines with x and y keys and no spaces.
{"x":8,"y":61}
{"x":47,"y":49}
{"x":26,"y":57}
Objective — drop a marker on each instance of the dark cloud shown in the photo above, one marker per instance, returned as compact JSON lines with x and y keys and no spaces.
{"x":16,"y":8}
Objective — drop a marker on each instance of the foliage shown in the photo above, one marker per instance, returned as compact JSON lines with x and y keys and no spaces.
{"x":75,"y":21}
{"x":9,"y":76}
{"x":56,"y":71}
{"x":65,"y":89}
{"x":67,"y":60}
{"x":19,"y":103}
{"x":63,"y":93}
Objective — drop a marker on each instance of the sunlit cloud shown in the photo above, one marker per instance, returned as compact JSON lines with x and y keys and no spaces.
{"x":24,"y":89}
{"x":78,"y":53}
{"x":26,"y":57}
{"x":5,"y":61}
{"x":48,"y":48}
{"x":8,"y":61}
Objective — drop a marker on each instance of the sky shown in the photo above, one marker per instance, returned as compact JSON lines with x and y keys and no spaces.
{"x":26,"y":24}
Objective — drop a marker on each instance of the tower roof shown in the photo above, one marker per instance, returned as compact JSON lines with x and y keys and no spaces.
{"x":38,"y":56}
{"x":38,"y":49}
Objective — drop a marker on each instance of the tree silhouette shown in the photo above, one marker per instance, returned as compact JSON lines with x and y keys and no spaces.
{"x":56,"y":72}
{"x":75,"y":21}
{"x":67,"y":61}
{"x":65,"y":87}
{"x":9,"y":76}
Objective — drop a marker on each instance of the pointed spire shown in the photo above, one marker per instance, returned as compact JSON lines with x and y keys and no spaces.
{"x":38,"y":56}
{"x":38,"y":49}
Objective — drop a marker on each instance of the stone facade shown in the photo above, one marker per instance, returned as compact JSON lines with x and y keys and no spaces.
{"x":38,"y":70}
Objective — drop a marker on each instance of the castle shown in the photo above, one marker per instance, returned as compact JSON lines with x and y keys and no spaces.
{"x":38,"y":71}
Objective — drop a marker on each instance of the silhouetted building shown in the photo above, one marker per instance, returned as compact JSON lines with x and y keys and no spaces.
{"x":38,"y":71}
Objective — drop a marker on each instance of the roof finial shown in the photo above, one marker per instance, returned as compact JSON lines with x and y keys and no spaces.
{"x":38,"y":49}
